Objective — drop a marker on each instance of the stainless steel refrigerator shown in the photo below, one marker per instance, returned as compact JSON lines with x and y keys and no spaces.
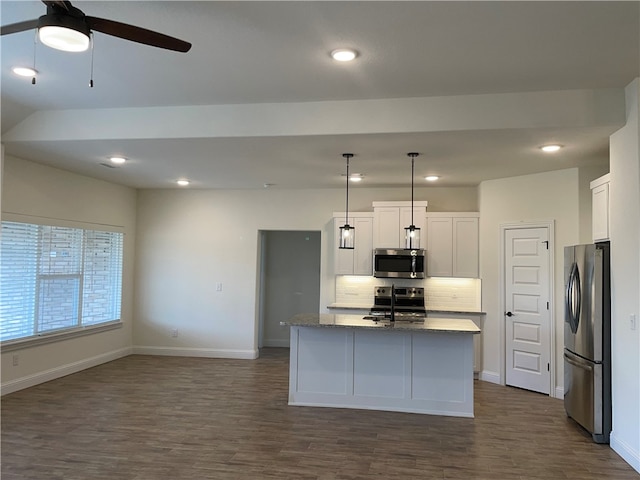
{"x":587,"y":338}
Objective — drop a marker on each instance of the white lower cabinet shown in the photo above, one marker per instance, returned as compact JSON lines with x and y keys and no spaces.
{"x":476,"y":318}
{"x":452,"y":244}
{"x":359,"y":260}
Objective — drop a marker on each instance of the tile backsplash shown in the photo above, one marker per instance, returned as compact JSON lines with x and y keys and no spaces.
{"x":455,"y":294}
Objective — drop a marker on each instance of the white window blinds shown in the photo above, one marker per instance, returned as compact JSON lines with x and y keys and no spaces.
{"x":55,"y":278}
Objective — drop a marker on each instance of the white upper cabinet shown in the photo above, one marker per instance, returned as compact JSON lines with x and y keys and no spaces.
{"x":452,"y":244}
{"x":600,"y":208}
{"x":390,"y":220}
{"x":439,"y":246}
{"x":358,"y":261}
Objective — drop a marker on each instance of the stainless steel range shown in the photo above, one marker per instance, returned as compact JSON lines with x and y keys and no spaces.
{"x":398,"y":303}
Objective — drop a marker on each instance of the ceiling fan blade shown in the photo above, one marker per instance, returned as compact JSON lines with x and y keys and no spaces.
{"x":18,"y":27}
{"x":137,"y":34}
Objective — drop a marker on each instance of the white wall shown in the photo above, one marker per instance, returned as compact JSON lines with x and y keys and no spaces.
{"x":540,"y":197}
{"x":189,"y":240}
{"x":625,"y":280}
{"x":32,"y":189}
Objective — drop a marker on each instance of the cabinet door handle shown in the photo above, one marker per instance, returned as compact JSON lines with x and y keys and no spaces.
{"x":508,"y":314}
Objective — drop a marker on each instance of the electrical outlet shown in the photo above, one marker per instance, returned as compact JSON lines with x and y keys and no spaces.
{"x":16,"y":360}
{"x":633,"y":323}
{"x":174,"y":332}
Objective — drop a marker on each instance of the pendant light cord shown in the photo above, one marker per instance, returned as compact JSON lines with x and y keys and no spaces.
{"x":91,"y":79}
{"x":412,"y":162}
{"x":413,"y":156}
{"x":346,"y":214}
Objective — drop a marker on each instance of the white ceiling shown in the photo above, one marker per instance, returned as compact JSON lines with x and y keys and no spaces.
{"x":258,"y":99}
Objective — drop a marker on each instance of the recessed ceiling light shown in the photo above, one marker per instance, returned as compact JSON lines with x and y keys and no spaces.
{"x":183,"y":182}
{"x":550,"y":148}
{"x":117,"y":160}
{"x":344,"y":54}
{"x":24,"y":71}
{"x":356,"y":177}
{"x":431,"y":178}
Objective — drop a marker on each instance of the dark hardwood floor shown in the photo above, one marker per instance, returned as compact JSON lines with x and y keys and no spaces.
{"x":145,"y":418}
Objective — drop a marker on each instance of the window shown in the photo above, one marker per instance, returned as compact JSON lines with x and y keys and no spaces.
{"x":55,"y":279}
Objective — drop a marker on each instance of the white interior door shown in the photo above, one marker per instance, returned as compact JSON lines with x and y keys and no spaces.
{"x":527,"y":314}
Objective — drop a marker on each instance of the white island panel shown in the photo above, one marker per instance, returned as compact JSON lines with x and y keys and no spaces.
{"x":322,"y":356}
{"x":442,"y":367}
{"x":379,"y":365}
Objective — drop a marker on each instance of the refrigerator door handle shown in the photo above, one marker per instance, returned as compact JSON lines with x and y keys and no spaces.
{"x":567,"y":296}
{"x":573,"y":297}
{"x":582,"y":365}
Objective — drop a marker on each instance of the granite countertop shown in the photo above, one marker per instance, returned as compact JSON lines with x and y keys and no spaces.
{"x":327,"y":320}
{"x":349,"y":306}
{"x":345,"y":306}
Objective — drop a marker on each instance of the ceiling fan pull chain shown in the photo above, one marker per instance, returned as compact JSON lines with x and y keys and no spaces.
{"x":91,"y":79}
{"x":35,"y":42}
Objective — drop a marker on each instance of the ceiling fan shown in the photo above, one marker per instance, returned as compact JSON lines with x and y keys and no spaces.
{"x":67,"y":28}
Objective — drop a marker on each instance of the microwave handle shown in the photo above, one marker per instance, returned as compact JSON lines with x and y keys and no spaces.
{"x":413,"y":266}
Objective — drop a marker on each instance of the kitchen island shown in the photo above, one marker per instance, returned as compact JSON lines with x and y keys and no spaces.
{"x":347,"y":361}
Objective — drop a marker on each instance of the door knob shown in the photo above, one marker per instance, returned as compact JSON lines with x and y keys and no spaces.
{"x":508,"y":314}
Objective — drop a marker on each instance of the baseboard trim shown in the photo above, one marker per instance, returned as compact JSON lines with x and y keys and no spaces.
{"x":195,"y":352}
{"x":625,"y":451}
{"x":61,"y":371}
{"x":560,"y":392}
{"x":277,"y":343}
{"x":491,"y":377}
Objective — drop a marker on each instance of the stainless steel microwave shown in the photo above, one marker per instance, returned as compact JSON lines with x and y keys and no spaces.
{"x":399,"y":263}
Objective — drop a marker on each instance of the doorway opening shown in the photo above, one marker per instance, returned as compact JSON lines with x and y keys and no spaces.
{"x":289,"y":281}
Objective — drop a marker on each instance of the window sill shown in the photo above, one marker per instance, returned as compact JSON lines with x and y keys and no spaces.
{"x":20,"y":343}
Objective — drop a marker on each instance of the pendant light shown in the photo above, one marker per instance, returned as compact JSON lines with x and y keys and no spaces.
{"x":347,"y":232}
{"x":412,"y":233}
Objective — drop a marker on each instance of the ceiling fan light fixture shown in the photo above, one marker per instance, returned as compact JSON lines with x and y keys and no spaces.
{"x":62,"y":38}
{"x":64,"y":32}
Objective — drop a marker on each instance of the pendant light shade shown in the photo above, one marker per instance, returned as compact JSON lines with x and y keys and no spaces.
{"x":412,"y":233}
{"x":347,"y":232}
